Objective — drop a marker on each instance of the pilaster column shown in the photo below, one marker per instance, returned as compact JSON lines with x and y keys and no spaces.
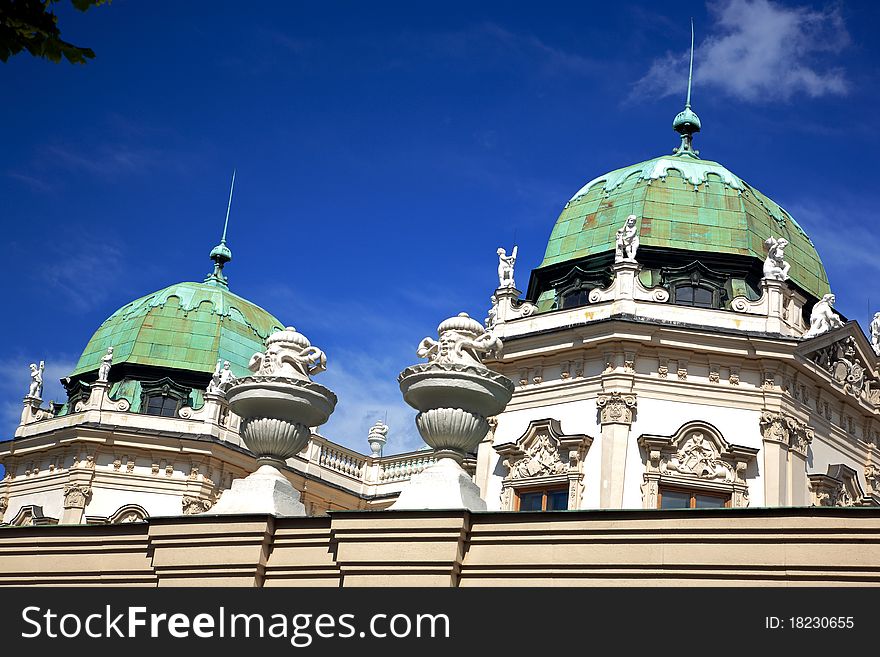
{"x":616,"y":411}
{"x":775,"y":435}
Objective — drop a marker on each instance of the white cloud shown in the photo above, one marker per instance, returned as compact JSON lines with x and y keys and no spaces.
{"x":78,"y":270}
{"x":760,"y":51}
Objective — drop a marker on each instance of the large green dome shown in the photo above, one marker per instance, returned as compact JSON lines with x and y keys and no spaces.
{"x":682,"y":203}
{"x":186,"y":326}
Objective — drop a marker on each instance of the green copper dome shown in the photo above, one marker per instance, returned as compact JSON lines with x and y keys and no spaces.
{"x":186,"y":326}
{"x":683,"y":203}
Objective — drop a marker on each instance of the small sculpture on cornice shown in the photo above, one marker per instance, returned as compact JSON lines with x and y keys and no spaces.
{"x":461,"y":341}
{"x":775,"y":266}
{"x":288,"y":354}
{"x":106,"y":363}
{"x":505,"y":267}
{"x":222,"y":376}
{"x":823,"y":318}
{"x":35,"y":391}
{"x":627,"y":241}
{"x":875,"y":333}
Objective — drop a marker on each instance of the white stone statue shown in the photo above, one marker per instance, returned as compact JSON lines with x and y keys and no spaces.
{"x":461,"y":341}
{"x":492,"y":318}
{"x":36,"y":388}
{"x":875,"y":333}
{"x":222,"y":376}
{"x":775,"y":266}
{"x":627,"y":241}
{"x":226,"y":374}
{"x":505,"y":267}
{"x":288,"y":354}
{"x":823,"y":318}
{"x":106,"y":363}
{"x":377,"y":437}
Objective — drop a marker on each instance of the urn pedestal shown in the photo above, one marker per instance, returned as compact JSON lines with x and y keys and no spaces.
{"x":454,"y":403}
{"x":276,"y":416}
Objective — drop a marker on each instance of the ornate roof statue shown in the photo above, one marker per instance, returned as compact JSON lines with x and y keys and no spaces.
{"x":106,"y":363}
{"x":627,"y":241}
{"x":875,"y":333}
{"x":823,"y":318}
{"x":775,"y":266}
{"x":505,"y":267}
{"x":36,"y":388}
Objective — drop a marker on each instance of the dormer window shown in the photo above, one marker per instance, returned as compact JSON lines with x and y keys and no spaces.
{"x":162,"y":405}
{"x":163,"y":397}
{"x":689,"y":294}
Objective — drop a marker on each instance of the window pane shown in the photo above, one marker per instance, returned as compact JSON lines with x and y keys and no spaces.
{"x":530,"y":501}
{"x":702,"y":297}
{"x":674,"y":499}
{"x":709,"y":501}
{"x":684,"y":294}
{"x":557,"y":500}
{"x":154,"y":406}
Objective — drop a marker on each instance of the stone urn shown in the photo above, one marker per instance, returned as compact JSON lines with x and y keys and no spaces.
{"x":455,"y":395}
{"x":278,"y":404}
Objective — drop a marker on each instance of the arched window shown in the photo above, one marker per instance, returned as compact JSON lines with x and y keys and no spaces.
{"x":689,"y":294}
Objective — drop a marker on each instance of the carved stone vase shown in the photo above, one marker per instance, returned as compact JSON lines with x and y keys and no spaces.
{"x":455,"y":395}
{"x":278,"y":406}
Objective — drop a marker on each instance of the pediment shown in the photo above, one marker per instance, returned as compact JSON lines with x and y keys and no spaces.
{"x":839,"y":486}
{"x":847,"y":357}
{"x":543,"y":451}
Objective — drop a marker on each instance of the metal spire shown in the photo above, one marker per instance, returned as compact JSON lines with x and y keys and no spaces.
{"x":232,"y":186}
{"x":221,"y":254}
{"x":687,"y":104}
{"x":686,"y":122}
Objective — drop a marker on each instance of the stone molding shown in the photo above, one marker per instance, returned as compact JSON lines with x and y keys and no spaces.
{"x":627,"y":286}
{"x":76,"y":495}
{"x":838,"y":487}
{"x":786,"y":430}
{"x":544,"y":455}
{"x":697,"y":457}
{"x":616,"y":407}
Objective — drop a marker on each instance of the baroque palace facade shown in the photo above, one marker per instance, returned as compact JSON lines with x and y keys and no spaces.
{"x":676,"y":348}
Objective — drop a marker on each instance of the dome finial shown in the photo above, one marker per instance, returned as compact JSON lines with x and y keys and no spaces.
{"x":221,"y":254}
{"x":686,"y":122}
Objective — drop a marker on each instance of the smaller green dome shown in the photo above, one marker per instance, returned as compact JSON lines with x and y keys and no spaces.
{"x":221,"y":252}
{"x":186,"y":326}
{"x":686,"y":122}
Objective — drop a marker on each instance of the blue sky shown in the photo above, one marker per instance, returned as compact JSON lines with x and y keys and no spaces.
{"x":385,"y":150}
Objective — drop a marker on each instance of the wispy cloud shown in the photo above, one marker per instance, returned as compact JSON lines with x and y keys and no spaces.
{"x":490,"y":44}
{"x":106,"y":160}
{"x":81,"y":271}
{"x":760,"y":51}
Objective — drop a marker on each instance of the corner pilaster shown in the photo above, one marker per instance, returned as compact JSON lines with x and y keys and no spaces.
{"x":616,"y":411}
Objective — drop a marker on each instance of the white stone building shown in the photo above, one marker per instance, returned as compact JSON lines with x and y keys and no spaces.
{"x":677,"y":347}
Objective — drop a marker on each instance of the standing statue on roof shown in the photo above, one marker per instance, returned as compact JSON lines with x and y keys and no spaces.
{"x":36,"y":388}
{"x":875,"y":333}
{"x":505,"y":267}
{"x":775,"y":266}
{"x":627,"y":241}
{"x":106,"y":363}
{"x":823,"y":318}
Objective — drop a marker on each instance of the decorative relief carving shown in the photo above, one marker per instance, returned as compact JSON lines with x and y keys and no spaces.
{"x":714,"y":373}
{"x":839,"y":487}
{"x":733,"y":379}
{"x":663,"y":368}
{"x":75,"y":496}
{"x":696,"y":457}
{"x":616,"y":407}
{"x":4,"y":504}
{"x":578,"y":369}
{"x":195,"y":505}
{"x":541,"y":459}
{"x":786,"y":430}
{"x":699,"y":457}
{"x":544,"y":455}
